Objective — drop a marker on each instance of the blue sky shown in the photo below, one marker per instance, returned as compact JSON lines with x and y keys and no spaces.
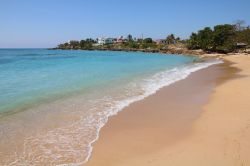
{"x":45,"y":23}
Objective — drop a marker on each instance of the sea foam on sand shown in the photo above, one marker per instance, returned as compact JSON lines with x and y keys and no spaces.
{"x":72,"y":144}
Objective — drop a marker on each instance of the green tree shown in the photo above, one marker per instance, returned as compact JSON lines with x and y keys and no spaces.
{"x":193,"y":43}
{"x":205,"y":39}
{"x":63,"y":46}
{"x":243,"y":36}
{"x":133,"y":44}
{"x":221,"y":39}
{"x":148,"y":40}
{"x":224,"y":38}
{"x":74,"y":44}
{"x":82,"y":44}
{"x":130,"y":38}
{"x":90,"y":40}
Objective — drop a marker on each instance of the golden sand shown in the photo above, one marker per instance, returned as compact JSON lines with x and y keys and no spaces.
{"x":202,"y":120}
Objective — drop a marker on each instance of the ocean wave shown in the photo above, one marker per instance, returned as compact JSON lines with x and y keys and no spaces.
{"x":73,"y":144}
{"x":150,"y":86}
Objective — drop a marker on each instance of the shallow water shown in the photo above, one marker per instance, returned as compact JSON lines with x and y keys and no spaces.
{"x":53,"y":103}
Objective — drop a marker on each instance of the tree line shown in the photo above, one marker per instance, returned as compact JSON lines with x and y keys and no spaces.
{"x":128,"y":43}
{"x":222,"y":38}
{"x":73,"y":44}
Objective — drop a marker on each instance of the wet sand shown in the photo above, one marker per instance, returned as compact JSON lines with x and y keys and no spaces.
{"x":179,"y":125}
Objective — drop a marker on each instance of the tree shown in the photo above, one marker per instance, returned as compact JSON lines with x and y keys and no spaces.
{"x":224,"y":36}
{"x":82,"y":44}
{"x":221,"y":39}
{"x":133,"y":44}
{"x":74,"y":44}
{"x":205,"y":38}
{"x":243,"y":36}
{"x":170,"y":39}
{"x":192,"y":43}
{"x":130,"y":38}
{"x":90,"y":40}
{"x":148,"y":40}
{"x":64,"y":46}
{"x":239,"y":25}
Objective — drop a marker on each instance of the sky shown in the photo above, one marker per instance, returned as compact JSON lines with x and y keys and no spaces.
{"x":46,"y":23}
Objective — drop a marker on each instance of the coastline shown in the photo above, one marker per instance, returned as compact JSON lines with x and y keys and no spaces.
{"x":38,"y":129}
{"x":172,"y":136}
{"x":172,"y":51}
{"x":91,"y":83}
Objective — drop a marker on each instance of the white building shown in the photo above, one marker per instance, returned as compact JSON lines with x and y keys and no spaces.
{"x":104,"y":40}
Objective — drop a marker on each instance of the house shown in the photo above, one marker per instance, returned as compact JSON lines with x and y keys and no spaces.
{"x":120,"y":39}
{"x":241,"y":45}
{"x":72,"y":41}
{"x":161,"y":41}
{"x":104,"y":40}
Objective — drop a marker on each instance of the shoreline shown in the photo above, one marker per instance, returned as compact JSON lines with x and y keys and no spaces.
{"x":168,"y":52}
{"x":108,"y":149}
{"x":50,"y":122}
{"x":189,"y":94}
{"x":171,"y":51}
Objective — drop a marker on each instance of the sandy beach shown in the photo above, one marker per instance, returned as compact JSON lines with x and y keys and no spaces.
{"x":201,"y":120}
{"x":125,"y":83}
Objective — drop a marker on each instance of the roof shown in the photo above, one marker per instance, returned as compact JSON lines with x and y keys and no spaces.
{"x":241,"y":44}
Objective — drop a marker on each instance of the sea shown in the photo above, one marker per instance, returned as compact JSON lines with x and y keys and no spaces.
{"x":53,"y":103}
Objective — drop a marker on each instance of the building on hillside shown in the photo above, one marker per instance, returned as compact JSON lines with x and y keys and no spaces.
{"x":241,"y":46}
{"x":104,"y":40}
{"x":120,"y":39}
{"x":72,"y":41}
{"x":161,"y":41}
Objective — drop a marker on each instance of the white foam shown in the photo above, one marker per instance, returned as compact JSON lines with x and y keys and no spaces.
{"x":65,"y":139}
{"x":150,"y":86}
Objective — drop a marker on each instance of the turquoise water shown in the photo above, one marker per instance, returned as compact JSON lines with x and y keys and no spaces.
{"x":32,"y":75}
{"x":53,"y":103}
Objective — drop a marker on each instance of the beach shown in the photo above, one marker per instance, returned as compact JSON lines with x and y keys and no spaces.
{"x":91,"y":83}
{"x":54,"y":102}
{"x":201,"y":120}
{"x":123,"y":108}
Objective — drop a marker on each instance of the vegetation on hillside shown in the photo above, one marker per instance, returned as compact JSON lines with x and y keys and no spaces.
{"x":128,"y":43}
{"x":222,"y":38}
{"x":83,"y":44}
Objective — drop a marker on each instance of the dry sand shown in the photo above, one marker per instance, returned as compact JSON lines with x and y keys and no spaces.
{"x":203,"y":120}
